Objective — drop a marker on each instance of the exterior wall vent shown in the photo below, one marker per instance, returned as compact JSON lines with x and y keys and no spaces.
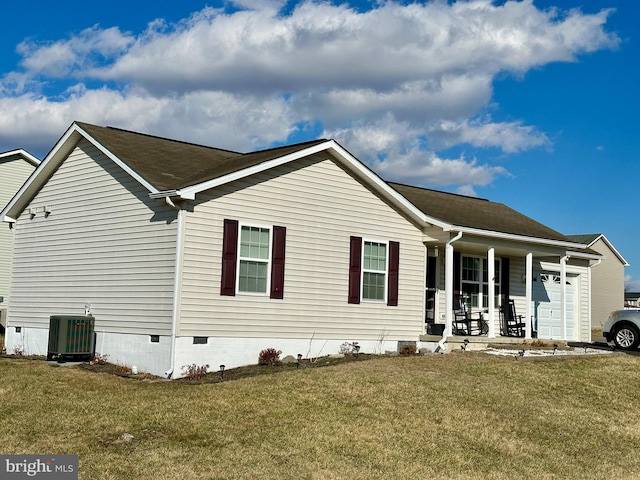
{"x":70,"y":336}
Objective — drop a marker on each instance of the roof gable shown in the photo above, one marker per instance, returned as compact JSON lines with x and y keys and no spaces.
{"x":19,"y":153}
{"x":171,"y":168}
{"x":591,"y":239}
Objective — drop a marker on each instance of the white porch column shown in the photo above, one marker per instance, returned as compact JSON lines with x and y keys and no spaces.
{"x":491,"y":270}
{"x":528,"y":273}
{"x":448,"y":288}
{"x":563,"y":295}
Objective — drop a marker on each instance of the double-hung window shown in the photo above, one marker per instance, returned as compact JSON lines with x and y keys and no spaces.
{"x":374,"y":270}
{"x":254,"y":258}
{"x":475,"y":282}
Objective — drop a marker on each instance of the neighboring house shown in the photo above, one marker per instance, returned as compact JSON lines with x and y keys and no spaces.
{"x":632,"y":300}
{"x":607,"y":277}
{"x":187,"y":254}
{"x":15,"y":168}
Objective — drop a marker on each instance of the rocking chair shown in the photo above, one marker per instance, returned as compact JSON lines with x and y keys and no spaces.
{"x":464,"y":322}
{"x":512,"y":325}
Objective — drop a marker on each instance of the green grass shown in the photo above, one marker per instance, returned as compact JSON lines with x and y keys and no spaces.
{"x":463,"y":415}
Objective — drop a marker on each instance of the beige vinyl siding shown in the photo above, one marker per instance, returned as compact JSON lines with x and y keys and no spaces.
{"x":321,"y":206}
{"x":607,"y":285}
{"x":13,"y":173}
{"x":104,"y":243}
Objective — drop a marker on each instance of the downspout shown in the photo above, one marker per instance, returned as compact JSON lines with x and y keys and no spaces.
{"x":448,"y":289}
{"x":177,"y":285}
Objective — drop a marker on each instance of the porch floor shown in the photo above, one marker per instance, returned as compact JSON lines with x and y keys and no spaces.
{"x":481,"y":342}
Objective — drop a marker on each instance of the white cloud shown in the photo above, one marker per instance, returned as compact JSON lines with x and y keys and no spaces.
{"x":404,"y":159}
{"x":511,"y":137}
{"x":631,"y":285}
{"x":78,"y":53}
{"x":392,"y":83}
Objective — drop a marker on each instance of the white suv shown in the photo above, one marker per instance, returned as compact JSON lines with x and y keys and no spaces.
{"x":623,"y":328}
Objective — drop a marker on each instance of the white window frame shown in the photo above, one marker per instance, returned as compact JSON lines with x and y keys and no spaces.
{"x":250,"y":259}
{"x":481,"y":283}
{"x":385,"y":272}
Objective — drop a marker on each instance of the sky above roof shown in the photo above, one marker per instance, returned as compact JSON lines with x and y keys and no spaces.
{"x":529,"y":103}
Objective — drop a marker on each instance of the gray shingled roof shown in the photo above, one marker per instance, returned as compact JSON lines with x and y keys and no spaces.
{"x":171,"y":164}
{"x":473,"y":212}
{"x":584,"y":239}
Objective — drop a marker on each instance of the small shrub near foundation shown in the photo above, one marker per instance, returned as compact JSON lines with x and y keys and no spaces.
{"x":195,"y":372}
{"x":407,"y":349}
{"x":270,"y":357}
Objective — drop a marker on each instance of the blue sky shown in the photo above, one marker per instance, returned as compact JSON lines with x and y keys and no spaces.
{"x":533,"y":103}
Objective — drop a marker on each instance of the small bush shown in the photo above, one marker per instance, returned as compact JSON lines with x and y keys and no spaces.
{"x":194,"y":372}
{"x":122,"y":369}
{"x":270,"y":357}
{"x":407,"y":349}
{"x":99,"y":359}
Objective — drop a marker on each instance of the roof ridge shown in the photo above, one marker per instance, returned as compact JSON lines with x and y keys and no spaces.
{"x":441,"y":191}
{"x":157,"y":137}
{"x":289,"y":146}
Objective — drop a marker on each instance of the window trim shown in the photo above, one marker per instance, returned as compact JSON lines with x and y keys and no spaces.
{"x":385,"y":272}
{"x":480,"y":282}
{"x":240,"y":258}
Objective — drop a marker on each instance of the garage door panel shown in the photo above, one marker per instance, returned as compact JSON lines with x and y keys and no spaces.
{"x":547,"y":296}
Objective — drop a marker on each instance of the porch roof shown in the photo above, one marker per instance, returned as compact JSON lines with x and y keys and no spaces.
{"x":477,"y":213}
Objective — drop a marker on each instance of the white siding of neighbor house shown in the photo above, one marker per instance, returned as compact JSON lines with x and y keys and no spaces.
{"x":13,"y":173}
{"x":321,"y":206}
{"x":104,"y":243}
{"x":608,"y":284}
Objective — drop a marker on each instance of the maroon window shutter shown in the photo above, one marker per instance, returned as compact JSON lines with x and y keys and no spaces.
{"x":229,"y":257}
{"x":504,"y":281}
{"x":277,"y":262}
{"x":355,"y":258}
{"x":392,"y":279}
{"x":457,"y":284}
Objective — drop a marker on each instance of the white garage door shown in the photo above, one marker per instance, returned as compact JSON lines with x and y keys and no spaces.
{"x":547,"y":296}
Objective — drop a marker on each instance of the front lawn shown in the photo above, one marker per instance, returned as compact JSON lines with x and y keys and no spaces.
{"x":462,"y":415}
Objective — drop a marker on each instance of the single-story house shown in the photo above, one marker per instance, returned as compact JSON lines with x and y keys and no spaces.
{"x":607,"y":277}
{"x":15,"y":168}
{"x":186,"y":254}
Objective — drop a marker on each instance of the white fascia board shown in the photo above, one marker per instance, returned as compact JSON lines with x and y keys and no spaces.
{"x":19,"y":152}
{"x":375,"y":180}
{"x":518,"y":238}
{"x":116,"y":160}
{"x":35,"y":180}
{"x":50,"y":163}
{"x":191,"y":192}
{"x":384,"y":186}
{"x":585,"y":255}
{"x":613,"y":249}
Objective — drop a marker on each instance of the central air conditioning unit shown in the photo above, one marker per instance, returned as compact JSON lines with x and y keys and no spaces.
{"x":71,"y":336}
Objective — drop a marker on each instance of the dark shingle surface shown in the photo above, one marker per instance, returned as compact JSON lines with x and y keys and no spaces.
{"x":171,"y":164}
{"x":475,"y":213}
{"x":584,"y":239}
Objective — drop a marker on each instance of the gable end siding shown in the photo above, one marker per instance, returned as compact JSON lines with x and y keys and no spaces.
{"x":321,"y":207}
{"x":104,"y":243}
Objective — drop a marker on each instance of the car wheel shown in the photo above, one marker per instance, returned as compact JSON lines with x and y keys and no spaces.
{"x":626,"y":337}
